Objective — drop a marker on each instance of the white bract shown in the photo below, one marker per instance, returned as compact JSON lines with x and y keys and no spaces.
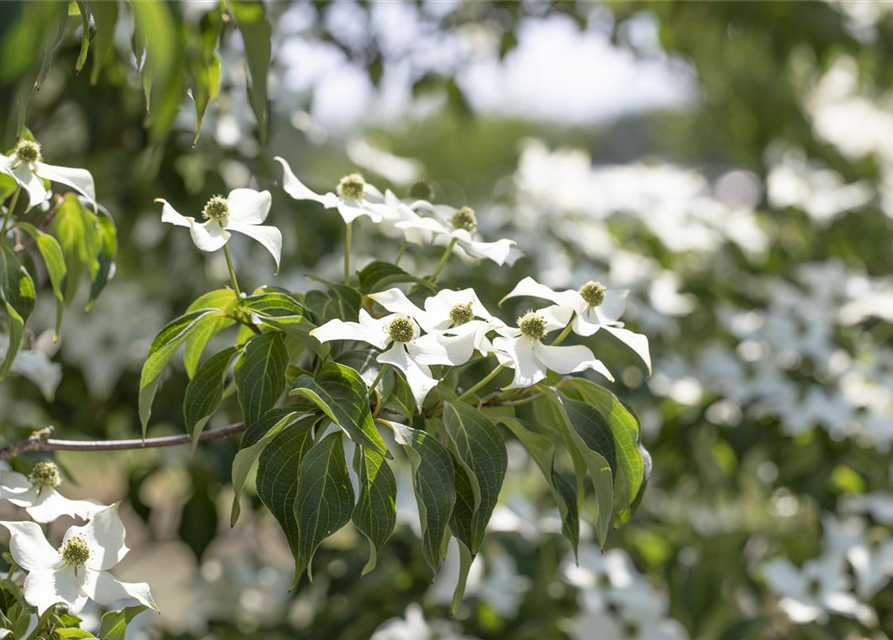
{"x":243,"y":210}
{"x":37,"y":494}
{"x":522,"y":349}
{"x":460,"y":225}
{"x":398,"y":335}
{"x":351,"y":198}
{"x":78,"y":571}
{"x":27,"y":169}
{"x":594,"y":308}
{"x":820,"y":587}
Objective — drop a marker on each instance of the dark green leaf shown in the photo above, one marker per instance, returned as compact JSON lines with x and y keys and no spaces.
{"x":260,"y":375}
{"x":376,"y":511}
{"x":17,"y":293}
{"x":105,"y":17}
{"x":205,"y":390}
{"x":108,"y":250}
{"x":379,"y":276}
{"x":52,"y":255}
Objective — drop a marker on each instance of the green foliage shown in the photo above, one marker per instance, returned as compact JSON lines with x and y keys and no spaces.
{"x":375,"y":513}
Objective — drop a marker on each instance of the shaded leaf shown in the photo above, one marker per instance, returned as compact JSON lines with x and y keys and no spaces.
{"x":205,"y":391}
{"x":257,"y":37}
{"x":260,"y":375}
{"x":54,"y":260}
{"x":375,"y":513}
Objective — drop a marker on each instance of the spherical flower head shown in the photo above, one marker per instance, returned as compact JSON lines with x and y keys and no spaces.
{"x":464,"y":218}
{"x":217,"y":210}
{"x":593,"y":293}
{"x":351,"y":187}
{"x":76,"y":551}
{"x":45,"y":474}
{"x":401,"y":329}
{"x":461,"y":313}
{"x":421,"y":190}
{"x":532,"y":325}
{"x":27,"y":151}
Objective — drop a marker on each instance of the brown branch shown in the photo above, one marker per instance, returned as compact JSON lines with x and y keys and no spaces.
{"x":41,"y":441}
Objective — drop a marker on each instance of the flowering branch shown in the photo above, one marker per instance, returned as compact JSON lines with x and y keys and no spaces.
{"x":40,"y":441}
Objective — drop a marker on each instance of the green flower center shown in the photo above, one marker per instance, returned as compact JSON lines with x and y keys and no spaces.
{"x":76,"y":551}
{"x":464,"y":218}
{"x":45,"y":474}
{"x":401,"y":329}
{"x":593,"y":293}
{"x":532,"y":325}
{"x":217,"y":210}
{"x":421,"y":190}
{"x":461,"y":313}
{"x":351,"y":187}
{"x":27,"y":151}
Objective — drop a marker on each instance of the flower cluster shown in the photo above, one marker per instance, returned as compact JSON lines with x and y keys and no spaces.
{"x":78,"y":569}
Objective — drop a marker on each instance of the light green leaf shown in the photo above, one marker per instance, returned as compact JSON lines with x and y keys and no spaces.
{"x":105,"y":17}
{"x":77,"y":230}
{"x":433,"y":482}
{"x":260,"y":375}
{"x":376,"y":511}
{"x":52,"y":255}
{"x":72,"y":634}
{"x":341,"y":394}
{"x":205,"y":391}
{"x":324,"y":501}
{"x":114,"y":623}
{"x":223,"y":299}
{"x":86,"y":37}
{"x":18,"y":294}
{"x":257,"y":35}
{"x":163,"y":347}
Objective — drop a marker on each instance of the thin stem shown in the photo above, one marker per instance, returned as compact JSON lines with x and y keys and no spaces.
{"x":9,"y":209}
{"x":443,"y":259}
{"x":515,"y":403}
{"x":400,"y":253}
{"x":380,"y":375}
{"x":232,"y":271}
{"x":561,"y":336}
{"x":40,"y":442}
{"x":482,"y":382}
{"x":347,"y":253}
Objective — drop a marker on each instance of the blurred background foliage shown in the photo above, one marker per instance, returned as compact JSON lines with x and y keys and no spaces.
{"x":729,"y":163}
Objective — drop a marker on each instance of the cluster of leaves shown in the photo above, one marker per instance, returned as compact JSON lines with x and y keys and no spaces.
{"x":75,"y":240}
{"x":175,"y":56}
{"x":579,"y":434}
{"x":18,"y":620}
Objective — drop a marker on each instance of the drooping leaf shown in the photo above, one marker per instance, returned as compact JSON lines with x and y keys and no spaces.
{"x":324,"y":501}
{"x":86,"y":36}
{"x":223,"y":299}
{"x":260,"y":375}
{"x":277,"y":471}
{"x":105,"y":17}
{"x":18,"y":294}
{"x":77,"y":229}
{"x":54,"y":260}
{"x":252,"y":22}
{"x":376,"y":510}
{"x":205,"y":391}
{"x":204,"y":63}
{"x":341,"y":394}
{"x":433,"y":482}
{"x":163,"y":347}
{"x":108,"y":250}
{"x":378,"y":276}
{"x":114,"y":623}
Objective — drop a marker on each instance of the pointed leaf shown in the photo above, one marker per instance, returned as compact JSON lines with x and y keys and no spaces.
{"x":54,"y":260}
{"x":205,"y":391}
{"x":105,"y":17}
{"x":376,"y":511}
{"x":114,"y":623}
{"x":260,"y":375}
{"x":17,"y":293}
{"x":223,"y":299}
{"x":257,"y":37}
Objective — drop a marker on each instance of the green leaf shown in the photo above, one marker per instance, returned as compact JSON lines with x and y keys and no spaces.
{"x":77,"y":230}
{"x":376,"y":511}
{"x":349,"y":300}
{"x":257,"y":37}
{"x":433,"y":482}
{"x":105,"y":17}
{"x":108,"y":251}
{"x":114,"y":623}
{"x":205,"y":391}
{"x":17,"y":293}
{"x":260,"y":375}
{"x":277,"y":472}
{"x":483,"y":460}
{"x":204,"y":64}
{"x":279,"y":308}
{"x":52,"y":255}
{"x":163,"y":347}
{"x":325,"y":499}
{"x":379,"y":276}
{"x":401,"y":399}
{"x":72,"y":634}
{"x":575,"y":419}
{"x":625,"y":430}
{"x":340,"y":393}
{"x":253,"y":444}
{"x":223,"y":299}
{"x":88,"y":33}
{"x":542,"y":452}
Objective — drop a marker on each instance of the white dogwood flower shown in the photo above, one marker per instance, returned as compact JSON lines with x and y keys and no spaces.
{"x":461,"y":225}
{"x":351,"y":197}
{"x":594,"y":306}
{"x":78,"y":570}
{"x":27,"y":169}
{"x":522,"y":349}
{"x":243,"y":210}
{"x":456,"y":324}
{"x":37,"y":494}
{"x":398,"y":336}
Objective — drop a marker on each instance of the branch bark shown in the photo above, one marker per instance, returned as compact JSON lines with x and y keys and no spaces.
{"x":41,"y":441}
